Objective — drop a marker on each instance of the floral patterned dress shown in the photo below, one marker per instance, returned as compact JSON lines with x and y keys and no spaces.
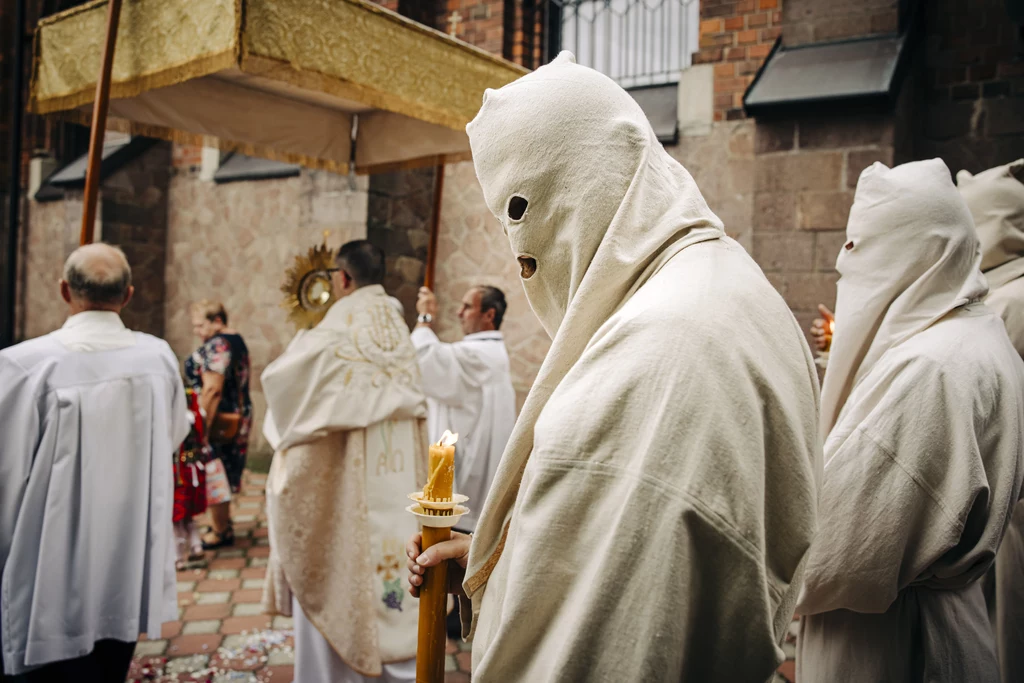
{"x":226,"y":354}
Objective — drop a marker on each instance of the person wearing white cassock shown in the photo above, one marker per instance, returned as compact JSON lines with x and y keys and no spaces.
{"x":924,"y":457}
{"x":346,"y":416}
{"x":469,"y":388}
{"x":91,"y":416}
{"x":996,"y":200}
{"x":651,"y":514}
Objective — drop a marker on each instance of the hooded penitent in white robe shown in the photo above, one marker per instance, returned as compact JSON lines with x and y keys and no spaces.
{"x":346,"y":417}
{"x":469,"y":391}
{"x":996,"y":201}
{"x":922,"y":403}
{"x":651,"y":513}
{"x":90,"y":419}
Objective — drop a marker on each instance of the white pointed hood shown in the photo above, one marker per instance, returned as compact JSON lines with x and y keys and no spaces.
{"x":996,"y":200}
{"x":574,"y":172}
{"x":911,"y":258}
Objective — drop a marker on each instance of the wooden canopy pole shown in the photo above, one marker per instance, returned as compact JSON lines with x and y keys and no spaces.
{"x":99,"y":124}
{"x":435,"y":228}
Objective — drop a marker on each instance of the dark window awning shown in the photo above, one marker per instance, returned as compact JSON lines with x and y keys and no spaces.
{"x":856,"y":70}
{"x":241,"y":167}
{"x":118,"y":150}
{"x":661,"y":105}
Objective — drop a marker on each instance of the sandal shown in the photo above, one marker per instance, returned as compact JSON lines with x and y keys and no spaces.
{"x":213,"y":540}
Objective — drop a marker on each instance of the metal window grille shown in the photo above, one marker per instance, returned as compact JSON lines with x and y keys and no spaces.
{"x":636,"y":42}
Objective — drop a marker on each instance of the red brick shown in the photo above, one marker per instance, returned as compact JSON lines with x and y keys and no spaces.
{"x":757,"y":20}
{"x":192,"y":575}
{"x":261,"y":551}
{"x":218,"y":585}
{"x":725,"y":70}
{"x":262,"y":532}
{"x":737,"y":99}
{"x":254,"y":573}
{"x":723,"y":100}
{"x":456,"y":677}
{"x":719,"y":116}
{"x":745,"y":7}
{"x":464,"y":660}
{"x":759,"y":51}
{"x":193,"y":645}
{"x":253,"y":595}
{"x":450,"y":647}
{"x":734,"y":24}
{"x":746,"y":37}
{"x":728,"y":84}
{"x":201,"y":612}
{"x":770,"y":35}
{"x":185,"y":599}
{"x":256,"y":622}
{"x":711,"y":26}
{"x":788,"y":670}
{"x":736,"y":54}
{"x":228,"y":563}
{"x":245,"y":661}
{"x":708,"y":56}
{"x":767,"y":4}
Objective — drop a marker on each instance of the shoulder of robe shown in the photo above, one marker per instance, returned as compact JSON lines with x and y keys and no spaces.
{"x":159,"y":348}
{"x":31,"y":353}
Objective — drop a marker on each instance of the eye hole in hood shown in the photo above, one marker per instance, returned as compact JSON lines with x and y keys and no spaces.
{"x":527,"y":266}
{"x":517,"y":208}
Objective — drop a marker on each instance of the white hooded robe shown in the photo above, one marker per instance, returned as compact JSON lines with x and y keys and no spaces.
{"x":651,"y":513}
{"x":996,"y":200}
{"x":922,"y":404}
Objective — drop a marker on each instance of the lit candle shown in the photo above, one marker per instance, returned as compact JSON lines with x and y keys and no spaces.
{"x":441,"y":466}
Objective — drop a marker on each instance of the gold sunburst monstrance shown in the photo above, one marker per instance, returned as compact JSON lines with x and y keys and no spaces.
{"x":307,"y":287}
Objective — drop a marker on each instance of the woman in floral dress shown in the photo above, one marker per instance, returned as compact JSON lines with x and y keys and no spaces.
{"x":219,"y":372}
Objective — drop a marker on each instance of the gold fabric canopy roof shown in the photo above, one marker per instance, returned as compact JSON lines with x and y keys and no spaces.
{"x":282,"y":79}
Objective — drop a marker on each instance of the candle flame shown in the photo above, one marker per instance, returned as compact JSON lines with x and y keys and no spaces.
{"x":831,"y":326}
{"x":448,"y":439}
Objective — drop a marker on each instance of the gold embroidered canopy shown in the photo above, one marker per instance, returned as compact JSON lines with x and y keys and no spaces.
{"x":292,"y":80}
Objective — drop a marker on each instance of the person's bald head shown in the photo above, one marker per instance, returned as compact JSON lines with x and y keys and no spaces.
{"x":97,"y":277}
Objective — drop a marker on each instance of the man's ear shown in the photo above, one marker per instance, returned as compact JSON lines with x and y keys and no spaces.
{"x":488,"y":315}
{"x":65,"y":291}
{"x":128,"y":295}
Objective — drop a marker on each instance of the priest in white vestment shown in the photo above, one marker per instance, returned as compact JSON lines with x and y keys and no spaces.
{"x":651,"y":514}
{"x":996,"y":200}
{"x":346,"y":417}
{"x":90,"y":419}
{"x":469,"y":388}
{"x":922,"y":407}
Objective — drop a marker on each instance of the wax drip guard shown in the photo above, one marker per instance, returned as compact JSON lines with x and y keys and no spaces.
{"x":438,"y":514}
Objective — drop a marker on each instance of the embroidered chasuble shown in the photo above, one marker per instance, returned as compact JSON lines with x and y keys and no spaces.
{"x":346,"y":416}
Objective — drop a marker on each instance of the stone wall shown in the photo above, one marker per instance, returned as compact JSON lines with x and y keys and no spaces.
{"x":472,"y":250}
{"x":816,"y":21}
{"x":53,"y":233}
{"x":234,"y":242}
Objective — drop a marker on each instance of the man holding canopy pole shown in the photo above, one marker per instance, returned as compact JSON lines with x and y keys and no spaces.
{"x":651,"y":514}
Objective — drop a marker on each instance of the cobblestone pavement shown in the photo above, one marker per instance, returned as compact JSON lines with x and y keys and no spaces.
{"x":222,"y":636}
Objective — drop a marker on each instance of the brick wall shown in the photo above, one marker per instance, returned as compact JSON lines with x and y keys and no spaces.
{"x":815,"y":21}
{"x":973,"y":88}
{"x":186,"y":158}
{"x":399,"y":212}
{"x":481,"y":22}
{"x":736,"y":37}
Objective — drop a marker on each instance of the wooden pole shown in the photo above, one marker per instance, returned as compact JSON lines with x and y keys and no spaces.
{"x":99,"y":124}
{"x":433,"y":635}
{"x":435,"y":228}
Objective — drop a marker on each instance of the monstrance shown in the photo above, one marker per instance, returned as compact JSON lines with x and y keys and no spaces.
{"x":307,"y":287}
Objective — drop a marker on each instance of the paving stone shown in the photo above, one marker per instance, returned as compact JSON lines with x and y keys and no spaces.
{"x":244,"y":518}
{"x":200,"y":612}
{"x":186,"y":665}
{"x":254,"y":573}
{"x":230,"y":552}
{"x":263,"y":551}
{"x":170,"y":629}
{"x":186,"y":586}
{"x":247,"y":609}
{"x":256,"y":622}
{"x":198,"y":643}
{"x":249,"y":504}
{"x":212,"y":598}
{"x":257,"y":562}
{"x":463,"y":645}
{"x":464,"y":660}
{"x":248,"y":596}
{"x":456,"y":677}
{"x":261,"y":542}
{"x":227,"y":563}
{"x":218,"y":574}
{"x":234,"y":642}
{"x":210,"y":586}
{"x":277,"y":674}
{"x":250,"y":584}
{"x":236,"y":677}
{"x":202,"y":626}
{"x":281,"y":657}
{"x":282,"y":623}
{"x":150,"y":648}
{"x":450,"y":664}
